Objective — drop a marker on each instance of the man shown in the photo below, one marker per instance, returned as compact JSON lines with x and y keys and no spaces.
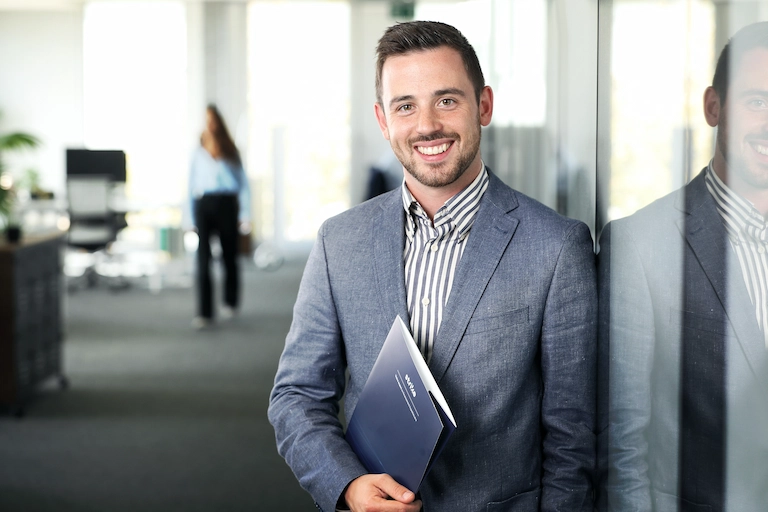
{"x":683,"y":323}
{"x":500,"y":292}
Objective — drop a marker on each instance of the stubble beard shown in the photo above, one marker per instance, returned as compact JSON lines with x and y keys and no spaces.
{"x":736,"y":165}
{"x":444,"y":173}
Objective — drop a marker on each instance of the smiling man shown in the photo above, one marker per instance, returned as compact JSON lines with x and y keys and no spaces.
{"x":684,"y":318}
{"x":499,"y":292}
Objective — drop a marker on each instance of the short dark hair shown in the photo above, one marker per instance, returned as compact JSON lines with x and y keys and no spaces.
{"x":411,"y":36}
{"x":748,"y":38}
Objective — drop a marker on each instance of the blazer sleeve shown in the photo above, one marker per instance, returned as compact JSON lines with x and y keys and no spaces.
{"x":627,"y":340}
{"x":304,"y":403}
{"x":568,"y":358}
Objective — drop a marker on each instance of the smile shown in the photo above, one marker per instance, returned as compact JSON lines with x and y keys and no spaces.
{"x":763,"y":150}
{"x":433,"y":150}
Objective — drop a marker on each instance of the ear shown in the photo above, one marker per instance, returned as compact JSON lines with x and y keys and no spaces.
{"x":712,"y":107}
{"x":382,"y":119}
{"x":486,"y":106}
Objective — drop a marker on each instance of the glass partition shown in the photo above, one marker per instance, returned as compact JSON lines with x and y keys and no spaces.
{"x":683,"y":358}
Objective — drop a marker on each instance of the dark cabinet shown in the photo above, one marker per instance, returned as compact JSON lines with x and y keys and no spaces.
{"x":31,"y":331}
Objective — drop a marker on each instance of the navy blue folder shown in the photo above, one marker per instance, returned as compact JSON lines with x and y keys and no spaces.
{"x":402,"y":421}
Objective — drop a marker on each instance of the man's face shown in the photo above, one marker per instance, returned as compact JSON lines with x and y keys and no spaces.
{"x":741,"y":157}
{"x":431,"y":117}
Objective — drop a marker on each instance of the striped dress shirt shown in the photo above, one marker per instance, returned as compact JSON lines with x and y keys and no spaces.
{"x":748,"y":233}
{"x":432,"y":253}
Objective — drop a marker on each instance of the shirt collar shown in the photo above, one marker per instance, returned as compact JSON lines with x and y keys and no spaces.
{"x":459,"y":210}
{"x":742,"y":220}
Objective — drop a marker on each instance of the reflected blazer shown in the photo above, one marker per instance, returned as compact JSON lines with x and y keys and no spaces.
{"x":514,"y":357}
{"x":682,"y":405}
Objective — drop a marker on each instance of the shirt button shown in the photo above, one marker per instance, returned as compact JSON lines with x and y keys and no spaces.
{"x":434,"y":247}
{"x":761,"y":249}
{"x":425,"y":301}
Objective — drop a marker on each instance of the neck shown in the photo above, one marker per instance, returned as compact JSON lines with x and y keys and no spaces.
{"x":757,"y":196}
{"x":760,"y":201}
{"x":432,"y":199}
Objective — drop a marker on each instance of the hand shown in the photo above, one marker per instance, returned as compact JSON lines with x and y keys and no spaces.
{"x":244,"y":227}
{"x":379,"y":493}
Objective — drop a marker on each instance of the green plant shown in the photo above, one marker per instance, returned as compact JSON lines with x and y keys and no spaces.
{"x":11,"y":142}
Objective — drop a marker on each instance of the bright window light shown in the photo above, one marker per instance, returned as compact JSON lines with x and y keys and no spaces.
{"x":135,"y":92}
{"x":656,"y":88}
{"x":299,"y":110}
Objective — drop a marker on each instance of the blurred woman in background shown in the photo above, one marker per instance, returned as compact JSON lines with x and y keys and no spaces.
{"x":220,"y":204}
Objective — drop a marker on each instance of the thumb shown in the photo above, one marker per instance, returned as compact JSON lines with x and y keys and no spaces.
{"x":394,"y":490}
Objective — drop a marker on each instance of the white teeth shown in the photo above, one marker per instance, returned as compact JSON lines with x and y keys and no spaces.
{"x":433,"y":150}
{"x":763,"y":150}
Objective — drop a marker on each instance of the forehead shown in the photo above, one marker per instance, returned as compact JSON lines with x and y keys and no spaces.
{"x":422,"y":70}
{"x":751,"y":72}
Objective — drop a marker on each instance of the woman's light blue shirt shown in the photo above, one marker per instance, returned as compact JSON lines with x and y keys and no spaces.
{"x":208,"y":175}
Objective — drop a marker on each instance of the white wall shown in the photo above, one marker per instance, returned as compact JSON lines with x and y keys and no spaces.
{"x":41,"y":87}
{"x":196,"y":94}
{"x":225,"y":46}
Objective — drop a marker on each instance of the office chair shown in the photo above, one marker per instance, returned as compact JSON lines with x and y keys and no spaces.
{"x":92,"y":224}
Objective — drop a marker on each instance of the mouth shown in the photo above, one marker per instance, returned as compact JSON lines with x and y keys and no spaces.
{"x":434,"y":150}
{"x":761,"y":148}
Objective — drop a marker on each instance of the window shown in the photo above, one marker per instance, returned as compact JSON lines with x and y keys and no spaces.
{"x":299,"y":109}
{"x":135,"y":92}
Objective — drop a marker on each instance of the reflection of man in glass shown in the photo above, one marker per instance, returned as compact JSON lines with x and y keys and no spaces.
{"x":499,"y":291}
{"x":684,"y":318}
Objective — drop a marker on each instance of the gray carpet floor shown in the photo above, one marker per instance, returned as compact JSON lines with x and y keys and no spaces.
{"x":158,"y":417}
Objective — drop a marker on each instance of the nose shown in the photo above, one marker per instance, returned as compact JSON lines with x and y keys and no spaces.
{"x":429,"y":121}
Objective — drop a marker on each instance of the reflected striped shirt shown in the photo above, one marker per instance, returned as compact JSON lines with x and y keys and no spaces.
{"x":432,"y":253}
{"x":748,"y":233}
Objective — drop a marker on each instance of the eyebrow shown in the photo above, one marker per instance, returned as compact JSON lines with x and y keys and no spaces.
{"x":398,"y":99}
{"x":451,"y":90}
{"x":753,"y":92}
{"x":440,"y":92}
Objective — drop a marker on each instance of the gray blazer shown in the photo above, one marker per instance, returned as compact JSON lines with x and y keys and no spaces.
{"x":683,"y":414}
{"x":515,"y":355}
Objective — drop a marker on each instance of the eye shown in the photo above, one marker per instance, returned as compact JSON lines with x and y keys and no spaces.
{"x":447,"y":102}
{"x":757,"y":103}
{"x":405,"y":108}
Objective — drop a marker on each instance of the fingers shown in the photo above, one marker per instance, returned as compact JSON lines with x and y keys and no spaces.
{"x":392,"y":489}
{"x":380,"y":493}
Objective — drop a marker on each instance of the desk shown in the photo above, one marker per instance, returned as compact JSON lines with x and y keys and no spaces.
{"x":31,"y":333}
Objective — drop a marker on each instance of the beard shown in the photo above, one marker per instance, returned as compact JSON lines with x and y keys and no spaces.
{"x":737,"y":166}
{"x":443,"y":173}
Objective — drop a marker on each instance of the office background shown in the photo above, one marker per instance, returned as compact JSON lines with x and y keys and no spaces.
{"x":598,"y":112}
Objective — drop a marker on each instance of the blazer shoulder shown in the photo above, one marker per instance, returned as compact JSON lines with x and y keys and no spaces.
{"x":525,"y":207}
{"x":540,"y":220}
{"x":660,"y":223}
{"x":360,"y":216}
{"x":673,"y":205}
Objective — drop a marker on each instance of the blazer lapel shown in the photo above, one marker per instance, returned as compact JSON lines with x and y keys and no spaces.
{"x":491,"y":233}
{"x":703,"y":229}
{"x":388,"y":238}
